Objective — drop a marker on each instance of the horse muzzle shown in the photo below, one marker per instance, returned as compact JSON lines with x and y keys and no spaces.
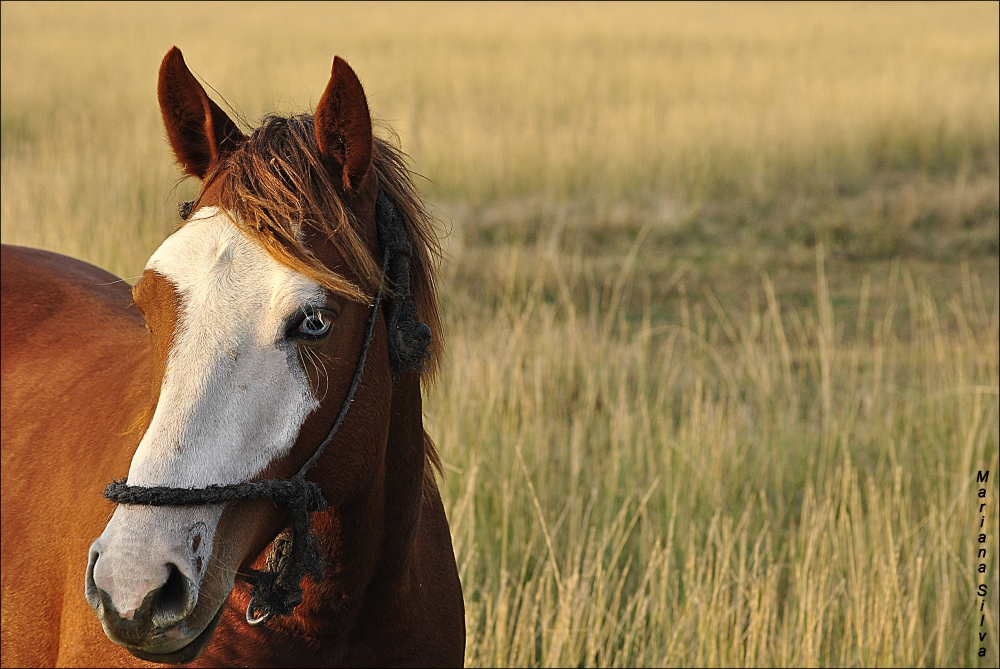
{"x":146,"y":580}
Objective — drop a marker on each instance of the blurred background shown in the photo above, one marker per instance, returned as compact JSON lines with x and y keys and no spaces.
{"x":720,"y":289}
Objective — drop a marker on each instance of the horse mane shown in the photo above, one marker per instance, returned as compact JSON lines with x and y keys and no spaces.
{"x":277,"y":187}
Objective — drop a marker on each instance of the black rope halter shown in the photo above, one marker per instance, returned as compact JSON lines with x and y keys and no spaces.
{"x":277,"y":589}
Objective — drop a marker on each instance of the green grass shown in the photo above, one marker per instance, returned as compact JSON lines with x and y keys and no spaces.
{"x":721,"y":295}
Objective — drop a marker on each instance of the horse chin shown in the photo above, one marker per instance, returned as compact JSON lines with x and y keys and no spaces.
{"x":186,"y":654}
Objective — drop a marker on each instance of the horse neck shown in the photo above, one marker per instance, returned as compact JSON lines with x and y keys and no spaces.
{"x":370,"y":544}
{"x":405,"y":462}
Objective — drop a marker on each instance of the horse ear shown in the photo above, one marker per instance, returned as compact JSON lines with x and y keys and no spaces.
{"x":199,"y":131}
{"x":344,"y":126}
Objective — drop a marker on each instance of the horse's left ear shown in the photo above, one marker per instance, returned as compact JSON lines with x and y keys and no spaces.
{"x":344,"y":126}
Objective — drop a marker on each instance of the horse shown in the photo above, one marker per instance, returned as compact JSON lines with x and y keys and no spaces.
{"x":261,"y":387}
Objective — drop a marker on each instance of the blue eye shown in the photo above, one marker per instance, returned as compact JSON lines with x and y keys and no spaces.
{"x":314,"y":324}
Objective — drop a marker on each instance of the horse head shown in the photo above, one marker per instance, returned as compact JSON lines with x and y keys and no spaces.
{"x":257,"y":307}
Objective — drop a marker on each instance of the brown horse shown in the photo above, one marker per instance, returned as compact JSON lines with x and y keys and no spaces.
{"x":230,"y":362}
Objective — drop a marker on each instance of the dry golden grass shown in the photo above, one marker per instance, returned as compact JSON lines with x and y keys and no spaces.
{"x":656,"y":453}
{"x":777,"y":490}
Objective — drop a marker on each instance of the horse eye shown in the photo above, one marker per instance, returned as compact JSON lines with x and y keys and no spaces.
{"x":314,"y":324}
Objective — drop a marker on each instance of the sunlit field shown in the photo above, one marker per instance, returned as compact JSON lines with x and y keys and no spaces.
{"x":720,"y":292}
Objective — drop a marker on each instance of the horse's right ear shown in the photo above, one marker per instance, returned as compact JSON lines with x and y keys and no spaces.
{"x":199,"y":131}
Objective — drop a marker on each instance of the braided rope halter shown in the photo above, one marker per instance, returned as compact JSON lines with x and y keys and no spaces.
{"x":277,"y":589}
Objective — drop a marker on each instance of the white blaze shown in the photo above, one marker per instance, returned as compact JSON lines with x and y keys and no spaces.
{"x":234,"y":394}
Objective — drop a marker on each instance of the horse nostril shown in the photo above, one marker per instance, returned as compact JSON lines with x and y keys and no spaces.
{"x":174,"y":600}
{"x":195,"y":543}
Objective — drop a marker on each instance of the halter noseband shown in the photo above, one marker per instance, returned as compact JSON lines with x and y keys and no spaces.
{"x":277,"y":590}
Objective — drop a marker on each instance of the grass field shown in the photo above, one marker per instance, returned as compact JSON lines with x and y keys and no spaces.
{"x":721,"y":295}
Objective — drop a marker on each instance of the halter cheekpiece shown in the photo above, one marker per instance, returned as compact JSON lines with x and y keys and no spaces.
{"x":277,"y":590}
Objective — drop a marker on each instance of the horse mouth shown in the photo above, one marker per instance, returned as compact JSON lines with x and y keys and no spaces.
{"x":186,"y":654}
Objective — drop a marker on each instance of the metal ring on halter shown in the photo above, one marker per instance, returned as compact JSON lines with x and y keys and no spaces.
{"x":255,"y":620}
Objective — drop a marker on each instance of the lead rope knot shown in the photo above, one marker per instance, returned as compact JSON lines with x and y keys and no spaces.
{"x":277,"y":590}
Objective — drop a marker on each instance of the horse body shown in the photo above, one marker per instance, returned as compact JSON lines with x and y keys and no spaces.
{"x":226,"y":363}
{"x":75,"y":360}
